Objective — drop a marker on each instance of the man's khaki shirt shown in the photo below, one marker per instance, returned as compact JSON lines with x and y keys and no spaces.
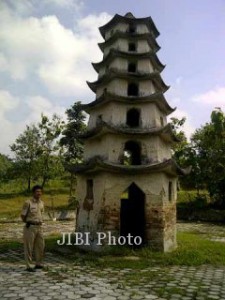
{"x":33,"y":210}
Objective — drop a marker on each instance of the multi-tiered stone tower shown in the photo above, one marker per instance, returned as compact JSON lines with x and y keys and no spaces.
{"x":128,"y":181}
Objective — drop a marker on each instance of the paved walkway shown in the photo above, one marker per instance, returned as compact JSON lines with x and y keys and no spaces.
{"x":64,"y":280}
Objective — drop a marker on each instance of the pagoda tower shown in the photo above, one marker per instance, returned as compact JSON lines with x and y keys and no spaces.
{"x":127,"y":183}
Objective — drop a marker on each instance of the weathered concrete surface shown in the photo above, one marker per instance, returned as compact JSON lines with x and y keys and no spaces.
{"x":99,"y":192}
{"x":104,"y":214}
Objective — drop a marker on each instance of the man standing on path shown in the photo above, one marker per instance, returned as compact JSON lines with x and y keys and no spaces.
{"x":32,"y":233}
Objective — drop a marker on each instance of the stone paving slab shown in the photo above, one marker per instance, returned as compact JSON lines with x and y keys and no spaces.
{"x":66,"y":280}
{"x":63,"y":282}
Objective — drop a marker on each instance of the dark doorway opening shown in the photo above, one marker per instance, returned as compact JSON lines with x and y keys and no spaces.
{"x":133,"y":117}
{"x":132,"y":213}
{"x":132,"y":67}
{"x":132,"y":47}
{"x":132,"y":89}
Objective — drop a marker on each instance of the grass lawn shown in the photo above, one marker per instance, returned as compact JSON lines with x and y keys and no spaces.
{"x":10,"y":207}
{"x":193,"y":250}
{"x":56,"y":195}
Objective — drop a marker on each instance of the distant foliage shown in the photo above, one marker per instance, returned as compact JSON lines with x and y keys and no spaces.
{"x":37,"y":151}
{"x":27,"y":151}
{"x":43,"y":148}
{"x":209,"y":145}
{"x":70,"y":140}
{"x":184,"y":154}
{"x":51,"y":153}
{"x":206,"y":153}
{"x":5,"y":167}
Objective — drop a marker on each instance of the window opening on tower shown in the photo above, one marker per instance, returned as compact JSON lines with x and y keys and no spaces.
{"x":132,"y":67}
{"x":133,"y":89}
{"x":133,"y":117}
{"x":132,"y":153}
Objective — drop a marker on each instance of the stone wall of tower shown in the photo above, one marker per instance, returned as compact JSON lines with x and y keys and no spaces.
{"x":111,"y":148}
{"x":140,"y":28}
{"x":119,"y":87}
{"x":104,"y":215}
{"x":115,"y":113}
{"x":142,"y":46}
{"x":121,"y":64}
{"x":102,"y":182}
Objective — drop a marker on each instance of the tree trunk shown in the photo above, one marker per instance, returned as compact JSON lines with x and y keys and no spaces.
{"x":28,"y":184}
{"x":44,"y":181}
{"x":72,"y":183}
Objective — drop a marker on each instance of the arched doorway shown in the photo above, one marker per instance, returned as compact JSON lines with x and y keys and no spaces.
{"x":132,"y":89}
{"x":133,"y":117}
{"x":132,"y":153}
{"x":132,"y":212}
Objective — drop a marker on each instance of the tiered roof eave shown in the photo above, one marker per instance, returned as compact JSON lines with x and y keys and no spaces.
{"x":98,"y":164}
{"x":102,"y":128}
{"x":134,"y":36}
{"x":128,"y":20}
{"x":114,"y":53}
{"x":107,"y":97}
{"x":106,"y":78}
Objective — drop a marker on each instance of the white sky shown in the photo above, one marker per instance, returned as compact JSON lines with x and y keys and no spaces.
{"x":47,"y":46}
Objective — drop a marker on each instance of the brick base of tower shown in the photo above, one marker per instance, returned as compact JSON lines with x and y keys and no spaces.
{"x":144,"y":202}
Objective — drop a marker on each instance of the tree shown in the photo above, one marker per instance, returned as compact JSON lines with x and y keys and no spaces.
{"x":37,"y":151}
{"x":70,"y":137}
{"x":209,"y":143}
{"x":27,"y":149}
{"x":50,"y":160}
{"x":5,"y":167}
{"x":179,"y":148}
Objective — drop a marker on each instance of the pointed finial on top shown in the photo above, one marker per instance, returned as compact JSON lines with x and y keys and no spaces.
{"x":129,"y":15}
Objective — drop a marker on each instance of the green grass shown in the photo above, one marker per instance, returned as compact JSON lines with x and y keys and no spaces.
{"x":19,"y":186}
{"x":190,"y":196}
{"x":193,"y":250}
{"x":12,"y":197}
{"x":6,"y":245}
{"x":10,"y":207}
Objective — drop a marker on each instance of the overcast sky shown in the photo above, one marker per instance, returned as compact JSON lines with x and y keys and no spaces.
{"x":47,"y":46}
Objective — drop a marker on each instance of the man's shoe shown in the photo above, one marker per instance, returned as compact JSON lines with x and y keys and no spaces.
{"x":30,"y":270}
{"x":39,"y":267}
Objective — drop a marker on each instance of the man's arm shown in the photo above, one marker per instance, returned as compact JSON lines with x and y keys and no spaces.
{"x":23,"y":218}
{"x":25,"y":211}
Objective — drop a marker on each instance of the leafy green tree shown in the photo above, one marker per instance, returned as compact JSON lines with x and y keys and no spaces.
{"x":209,"y":144}
{"x":70,"y":140}
{"x":179,"y":148}
{"x":27,"y":149}
{"x":5,"y":167}
{"x":185,"y":155}
{"x":70,"y":135}
{"x":38,"y":153}
{"x":50,"y":159}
